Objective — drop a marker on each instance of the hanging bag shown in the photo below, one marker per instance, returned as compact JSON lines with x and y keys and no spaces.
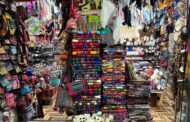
{"x":25,"y":89}
{"x":65,"y":99}
{"x":3,"y":2}
{"x":2,"y":101}
{"x":22,"y":103}
{"x":71,"y":24}
{"x":106,"y":36}
{"x":54,"y":81}
{"x":12,"y":50}
{"x":10,"y":99}
{"x":21,"y":10}
{"x":15,"y":82}
{"x":78,"y":86}
{"x":94,"y":23}
{"x":74,"y":11}
{"x":3,"y":27}
{"x":4,"y":82}
{"x":11,"y":23}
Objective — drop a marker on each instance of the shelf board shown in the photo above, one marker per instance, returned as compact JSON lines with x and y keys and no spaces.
{"x":156,"y":91}
{"x":140,"y":60}
{"x":139,"y":79}
{"x":135,"y":55}
{"x":140,"y":45}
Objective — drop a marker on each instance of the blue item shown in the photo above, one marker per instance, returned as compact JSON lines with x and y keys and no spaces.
{"x":130,"y":49}
{"x":54,"y":81}
{"x":9,"y":87}
{"x":29,"y":72}
{"x":25,"y":90}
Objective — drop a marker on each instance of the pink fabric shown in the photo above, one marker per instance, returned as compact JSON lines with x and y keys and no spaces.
{"x":188,"y":45}
{"x":121,"y":14}
{"x":29,"y":6}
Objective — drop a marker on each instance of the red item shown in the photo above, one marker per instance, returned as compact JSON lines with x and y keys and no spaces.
{"x":72,"y":7}
{"x":10,"y":100}
{"x":28,"y":96}
{"x":25,"y":78}
{"x":33,"y":79}
{"x":49,"y":92}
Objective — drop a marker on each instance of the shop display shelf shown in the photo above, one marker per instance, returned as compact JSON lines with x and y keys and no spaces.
{"x":90,"y":68}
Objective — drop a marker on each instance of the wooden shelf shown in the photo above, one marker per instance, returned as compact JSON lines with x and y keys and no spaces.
{"x":140,"y":46}
{"x":156,"y":91}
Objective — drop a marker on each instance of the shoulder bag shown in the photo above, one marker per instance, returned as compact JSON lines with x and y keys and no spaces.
{"x":77,"y":87}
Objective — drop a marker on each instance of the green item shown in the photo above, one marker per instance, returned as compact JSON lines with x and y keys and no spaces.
{"x":132,"y":72}
{"x":106,"y":36}
{"x":93,"y":18}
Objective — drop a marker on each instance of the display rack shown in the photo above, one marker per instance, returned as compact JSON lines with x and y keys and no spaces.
{"x":114,"y":86}
{"x":138,"y":59}
{"x":137,"y":100}
{"x":87,"y":62}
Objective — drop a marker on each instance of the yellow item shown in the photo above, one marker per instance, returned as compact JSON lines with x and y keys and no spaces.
{"x":9,"y":19}
{"x":161,"y":6}
{"x":74,"y":53}
{"x":149,"y":7}
{"x":93,"y":52}
{"x":167,"y":2}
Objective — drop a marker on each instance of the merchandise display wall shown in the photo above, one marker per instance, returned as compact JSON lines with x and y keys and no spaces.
{"x":87,"y":62}
{"x":109,"y":61}
{"x":114,"y":84}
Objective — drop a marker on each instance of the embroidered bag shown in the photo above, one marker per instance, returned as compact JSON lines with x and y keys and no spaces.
{"x":4,"y":82}
{"x":10,"y":99}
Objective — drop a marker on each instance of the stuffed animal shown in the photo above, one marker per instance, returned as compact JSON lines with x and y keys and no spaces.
{"x":157,"y":82}
{"x":96,"y":117}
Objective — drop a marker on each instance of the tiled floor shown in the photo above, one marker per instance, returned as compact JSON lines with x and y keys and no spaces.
{"x":164,"y":112}
{"x":161,"y":113}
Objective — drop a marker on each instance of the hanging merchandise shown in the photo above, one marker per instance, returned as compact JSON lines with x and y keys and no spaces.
{"x":89,"y":5}
{"x":13,"y":50}
{"x":90,"y":23}
{"x":64,"y":55}
{"x":45,"y":13}
{"x":74,"y":11}
{"x":110,"y":17}
{"x":33,"y":25}
{"x":65,"y":6}
{"x":11,"y":23}
{"x":3,"y":29}
{"x":106,"y":36}
{"x":127,"y":15}
{"x":22,"y":12}
{"x":66,"y":100}
{"x":103,"y":65}
{"x":77,"y":87}
{"x":93,"y":23}
{"x":71,"y":24}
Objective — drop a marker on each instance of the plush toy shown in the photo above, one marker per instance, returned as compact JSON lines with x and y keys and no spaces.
{"x":97,"y":117}
{"x":157,"y":82}
{"x":109,"y":118}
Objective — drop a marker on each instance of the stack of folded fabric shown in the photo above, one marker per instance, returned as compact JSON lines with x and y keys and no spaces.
{"x":114,"y":86}
{"x":87,"y":62}
{"x":137,"y":101}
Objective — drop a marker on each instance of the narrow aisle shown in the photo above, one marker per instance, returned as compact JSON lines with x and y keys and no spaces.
{"x":164,"y":112}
